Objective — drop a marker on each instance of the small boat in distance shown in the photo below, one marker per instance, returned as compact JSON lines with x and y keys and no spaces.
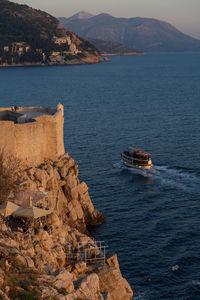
{"x":134,"y":158}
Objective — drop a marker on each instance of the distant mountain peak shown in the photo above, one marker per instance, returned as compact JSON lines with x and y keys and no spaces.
{"x":81,"y":15}
{"x":146,"y":34}
{"x":104,"y":15}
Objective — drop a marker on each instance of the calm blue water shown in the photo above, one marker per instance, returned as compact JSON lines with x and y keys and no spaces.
{"x":152,"y":102}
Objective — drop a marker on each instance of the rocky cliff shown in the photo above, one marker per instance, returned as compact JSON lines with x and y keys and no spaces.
{"x":34,"y":263}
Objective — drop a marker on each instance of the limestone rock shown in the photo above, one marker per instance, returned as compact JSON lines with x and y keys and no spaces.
{"x":112,"y":261}
{"x":80,"y":268}
{"x":45,"y":278}
{"x":78,"y":209}
{"x":48,"y":292}
{"x":3,"y":296}
{"x":70,"y":297}
{"x":60,"y":297}
{"x":111,"y":281}
{"x":3,"y":227}
{"x":42,"y":252}
{"x":59,"y":255}
{"x":29,"y":261}
{"x":89,"y":288}
{"x":41,"y":176}
{"x":8,"y":242}
{"x":2,"y":277}
{"x":20,"y":260}
{"x":63,"y":170}
{"x":83,"y":188}
{"x":30,"y":251}
{"x":45,"y":240}
{"x":107,"y":296}
{"x":30,"y":172}
{"x":49,"y":169}
{"x":64,"y":280}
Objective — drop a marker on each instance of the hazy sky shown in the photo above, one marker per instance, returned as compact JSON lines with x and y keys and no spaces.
{"x":183,"y":14}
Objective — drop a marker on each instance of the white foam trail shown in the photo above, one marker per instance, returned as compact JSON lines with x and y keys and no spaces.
{"x":177,"y":173}
{"x":175,"y":268}
{"x":165,"y":175}
{"x":196,"y":282}
{"x":120,"y":165}
{"x":140,"y":297}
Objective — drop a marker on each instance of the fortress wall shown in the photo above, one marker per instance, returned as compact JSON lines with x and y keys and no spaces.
{"x":29,"y":140}
{"x":7,"y":136}
{"x":50,"y":147}
{"x":33,"y":142}
{"x":59,"y":130}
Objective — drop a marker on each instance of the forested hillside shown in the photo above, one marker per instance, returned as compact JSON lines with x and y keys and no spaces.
{"x":30,"y":35}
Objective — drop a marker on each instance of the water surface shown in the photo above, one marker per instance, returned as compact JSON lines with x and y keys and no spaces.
{"x":151,"y":102}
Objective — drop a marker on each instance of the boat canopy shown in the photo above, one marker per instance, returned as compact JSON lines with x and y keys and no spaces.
{"x":138,"y":151}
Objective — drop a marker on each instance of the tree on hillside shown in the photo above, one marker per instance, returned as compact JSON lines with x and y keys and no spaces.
{"x":9,"y":168}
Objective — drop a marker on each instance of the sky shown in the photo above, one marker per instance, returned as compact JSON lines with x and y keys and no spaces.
{"x":183,"y":14}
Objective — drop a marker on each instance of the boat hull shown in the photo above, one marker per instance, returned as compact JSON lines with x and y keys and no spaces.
{"x":132,"y":162}
{"x":130,"y":165}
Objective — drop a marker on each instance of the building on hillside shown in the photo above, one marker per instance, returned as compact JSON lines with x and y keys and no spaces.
{"x":73,"y":49}
{"x":19,"y":48}
{"x":62,"y":40}
{"x":6,"y":48}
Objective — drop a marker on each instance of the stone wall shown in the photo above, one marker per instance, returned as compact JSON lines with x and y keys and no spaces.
{"x":32,"y":142}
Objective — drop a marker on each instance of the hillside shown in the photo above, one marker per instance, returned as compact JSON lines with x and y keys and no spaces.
{"x":106,"y":47}
{"x":144,"y":34}
{"x":32,"y":36}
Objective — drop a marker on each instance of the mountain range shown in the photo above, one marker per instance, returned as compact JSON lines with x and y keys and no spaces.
{"x":145,"y":34}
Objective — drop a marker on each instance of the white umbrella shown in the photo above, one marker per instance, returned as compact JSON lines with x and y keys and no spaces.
{"x":32,"y":212}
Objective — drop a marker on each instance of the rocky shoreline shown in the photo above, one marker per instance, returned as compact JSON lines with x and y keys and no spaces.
{"x":124,"y":53}
{"x":34,"y":264}
{"x":91,"y":59}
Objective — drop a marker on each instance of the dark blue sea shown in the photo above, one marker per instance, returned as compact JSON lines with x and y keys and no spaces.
{"x":151,"y":102}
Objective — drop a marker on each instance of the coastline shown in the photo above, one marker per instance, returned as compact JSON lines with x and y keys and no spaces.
{"x":87,"y":60}
{"x":61,"y":259}
{"x":118,"y":54}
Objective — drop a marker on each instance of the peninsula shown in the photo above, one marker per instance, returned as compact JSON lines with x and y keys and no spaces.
{"x":45,"y":248}
{"x":33,"y":37}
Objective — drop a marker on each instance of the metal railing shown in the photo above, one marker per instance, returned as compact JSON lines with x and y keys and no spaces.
{"x":92,"y":252}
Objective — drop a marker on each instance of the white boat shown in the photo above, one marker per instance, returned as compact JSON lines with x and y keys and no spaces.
{"x":134,"y":158}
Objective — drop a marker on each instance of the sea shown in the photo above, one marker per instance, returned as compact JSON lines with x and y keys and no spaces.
{"x":151,"y":102}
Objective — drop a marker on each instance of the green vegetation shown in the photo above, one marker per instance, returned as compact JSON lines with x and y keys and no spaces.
{"x":26,"y":36}
{"x":111,"y":47}
{"x":22,"y":23}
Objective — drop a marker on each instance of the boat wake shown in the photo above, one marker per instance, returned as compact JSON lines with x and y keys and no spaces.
{"x":165,"y":175}
{"x":134,"y":170}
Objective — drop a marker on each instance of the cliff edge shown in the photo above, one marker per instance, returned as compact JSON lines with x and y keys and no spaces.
{"x":53,"y":257}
